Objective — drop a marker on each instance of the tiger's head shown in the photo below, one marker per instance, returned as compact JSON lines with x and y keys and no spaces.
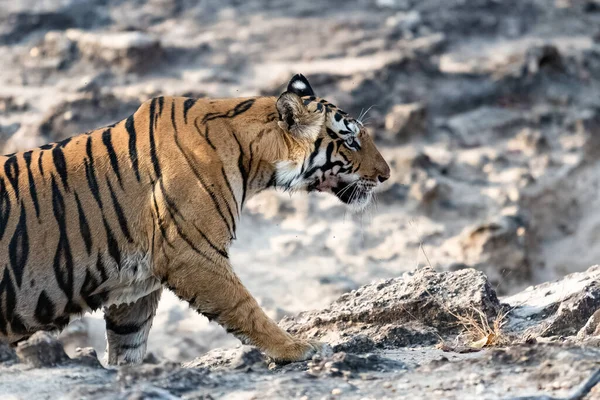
{"x":329,"y":150}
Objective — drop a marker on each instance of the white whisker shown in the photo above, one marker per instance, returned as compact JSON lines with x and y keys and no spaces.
{"x":362,"y":115}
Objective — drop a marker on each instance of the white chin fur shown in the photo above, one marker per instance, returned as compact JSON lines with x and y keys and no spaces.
{"x":287,"y":174}
{"x":359,"y":205}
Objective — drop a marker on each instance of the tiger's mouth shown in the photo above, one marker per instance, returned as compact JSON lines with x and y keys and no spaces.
{"x":356,"y":194}
{"x":353,"y":193}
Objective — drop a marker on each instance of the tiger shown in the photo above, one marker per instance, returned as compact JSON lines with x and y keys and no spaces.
{"x":108,"y":218}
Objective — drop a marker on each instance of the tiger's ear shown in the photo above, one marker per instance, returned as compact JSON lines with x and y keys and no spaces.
{"x":299,"y":85}
{"x":295,"y":118}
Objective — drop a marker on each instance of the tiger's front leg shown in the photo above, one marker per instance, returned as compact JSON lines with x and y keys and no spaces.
{"x":217,"y":292}
{"x":127,"y":329}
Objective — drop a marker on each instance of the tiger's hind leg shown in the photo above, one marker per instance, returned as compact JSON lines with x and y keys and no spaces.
{"x":127,"y":329}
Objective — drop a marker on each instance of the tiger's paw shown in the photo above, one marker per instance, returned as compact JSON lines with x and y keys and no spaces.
{"x":302,"y":350}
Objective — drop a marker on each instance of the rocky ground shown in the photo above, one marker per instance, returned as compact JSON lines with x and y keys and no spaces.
{"x":489,"y":114}
{"x":422,"y":335}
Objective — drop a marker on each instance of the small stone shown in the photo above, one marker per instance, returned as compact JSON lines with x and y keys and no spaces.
{"x":42,"y":350}
{"x":87,"y":356}
{"x":336,"y":391}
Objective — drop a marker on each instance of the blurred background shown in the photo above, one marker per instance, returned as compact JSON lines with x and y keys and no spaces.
{"x":488,"y":112}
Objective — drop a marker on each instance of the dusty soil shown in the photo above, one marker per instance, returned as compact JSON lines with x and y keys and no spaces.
{"x":488,"y":112}
{"x":396,"y":338}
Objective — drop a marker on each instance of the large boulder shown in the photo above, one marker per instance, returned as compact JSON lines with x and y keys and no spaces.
{"x":562,"y":308}
{"x":415,"y":309}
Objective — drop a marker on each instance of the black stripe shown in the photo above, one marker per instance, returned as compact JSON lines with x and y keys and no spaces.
{"x":60,"y":163}
{"x":18,"y":248}
{"x":40,"y":164}
{"x":114,"y":162}
{"x":250,"y":158}
{"x":84,"y":228}
{"x":72,"y":308}
{"x":326,"y":167}
{"x":173,"y":116}
{"x":11,"y":170}
{"x":272,"y":181}
{"x":32,"y":187}
{"x":227,"y":203}
{"x":239,"y":109}
{"x":132,"y":346}
{"x":205,"y":133}
{"x":185,"y":238}
{"x":230,"y":190}
{"x":242,"y":169}
{"x":315,"y":152}
{"x":173,"y":211}
{"x":212,"y":316}
{"x":113,"y":246}
{"x":63,"y":142}
{"x":101,"y":269}
{"x":17,"y":326}
{"x":329,"y":151}
{"x":153,"y":155}
{"x":90,"y":284}
{"x":125,"y":329}
{"x":161,"y":103}
{"x":341,"y":153}
{"x":90,"y":172}
{"x":45,"y":309}
{"x":5,"y":207}
{"x":63,"y":259}
{"x":332,"y":134}
{"x":169,"y":209}
{"x":189,"y":103}
{"x":10,"y":299}
{"x":119,"y":212}
{"x":204,"y":184}
{"x":160,"y":219}
{"x":130,"y":126}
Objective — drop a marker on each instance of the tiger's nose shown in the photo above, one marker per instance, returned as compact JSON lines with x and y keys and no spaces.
{"x":383,"y":178}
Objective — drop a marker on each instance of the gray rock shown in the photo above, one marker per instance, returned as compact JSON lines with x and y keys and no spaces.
{"x":42,"y":350}
{"x":87,"y":356}
{"x":561,"y":308}
{"x":130,"y":51}
{"x":469,"y":126}
{"x":398,"y":312}
{"x":591,"y":327}
{"x":498,"y":248}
